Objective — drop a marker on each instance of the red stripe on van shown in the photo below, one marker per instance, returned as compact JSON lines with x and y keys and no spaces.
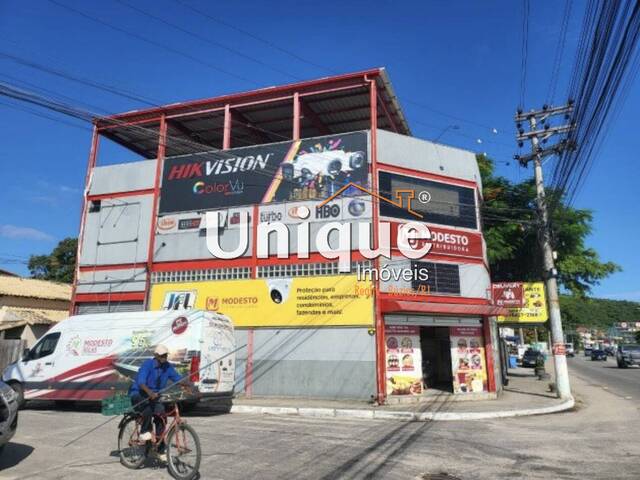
{"x":105,"y":362}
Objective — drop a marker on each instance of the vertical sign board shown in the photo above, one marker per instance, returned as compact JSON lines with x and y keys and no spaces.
{"x":404,"y":360}
{"x":533,"y":309}
{"x":468,"y":360}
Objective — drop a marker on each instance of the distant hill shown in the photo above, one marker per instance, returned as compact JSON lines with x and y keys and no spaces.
{"x":598,"y":313}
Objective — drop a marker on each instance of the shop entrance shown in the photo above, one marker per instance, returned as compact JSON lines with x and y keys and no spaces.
{"x":435,"y":344}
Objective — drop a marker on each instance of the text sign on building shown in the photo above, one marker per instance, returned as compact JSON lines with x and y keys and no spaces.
{"x":309,"y":169}
{"x":446,"y":241}
{"x":508,"y":294}
{"x":279,"y":302}
{"x":534,"y":309}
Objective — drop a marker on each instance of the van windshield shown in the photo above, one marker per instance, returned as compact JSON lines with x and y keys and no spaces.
{"x":46,"y":346}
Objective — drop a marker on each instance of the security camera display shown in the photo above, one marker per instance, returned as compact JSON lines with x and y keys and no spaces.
{"x":308,"y":169}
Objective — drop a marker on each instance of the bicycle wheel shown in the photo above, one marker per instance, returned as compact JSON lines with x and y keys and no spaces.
{"x":132,"y":453}
{"x":183,"y":452}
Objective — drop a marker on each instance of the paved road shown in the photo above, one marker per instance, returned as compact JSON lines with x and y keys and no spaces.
{"x":598,"y":441}
{"x":622,"y":382}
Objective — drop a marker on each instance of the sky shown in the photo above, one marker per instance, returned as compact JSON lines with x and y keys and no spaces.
{"x":451,"y":64}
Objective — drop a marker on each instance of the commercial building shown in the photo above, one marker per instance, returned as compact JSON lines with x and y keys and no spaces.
{"x":302,"y":156}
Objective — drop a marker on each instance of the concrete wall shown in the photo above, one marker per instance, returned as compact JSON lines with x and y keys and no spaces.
{"x":474,"y":278}
{"x":314,"y":363}
{"x":117,"y":232}
{"x":126,"y":177}
{"x":417,"y":154}
{"x":105,"y":281}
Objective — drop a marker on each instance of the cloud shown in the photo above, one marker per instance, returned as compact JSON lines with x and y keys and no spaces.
{"x":27,"y":233}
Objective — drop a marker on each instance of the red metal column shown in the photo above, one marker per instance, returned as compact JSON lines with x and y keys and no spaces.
{"x":93,"y":155}
{"x":380,"y":335}
{"x":254,"y":240}
{"x":296,"y":116}
{"x":226,"y":140}
{"x":162,"y":147}
{"x":488,"y":351}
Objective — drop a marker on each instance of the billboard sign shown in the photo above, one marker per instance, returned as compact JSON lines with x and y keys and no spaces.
{"x":308,"y":169}
{"x":446,"y":241}
{"x":338,"y":300}
{"x":508,"y":294}
{"x":534,"y":309}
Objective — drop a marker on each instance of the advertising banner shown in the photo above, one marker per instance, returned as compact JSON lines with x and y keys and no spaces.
{"x":340,"y":209}
{"x":468,"y":364}
{"x":404,"y":360}
{"x":446,"y":241}
{"x":277,"y":302}
{"x":508,"y":294}
{"x":534,"y":309}
{"x":309,"y":169}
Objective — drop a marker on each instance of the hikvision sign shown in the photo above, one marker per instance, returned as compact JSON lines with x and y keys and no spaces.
{"x":412,"y":239}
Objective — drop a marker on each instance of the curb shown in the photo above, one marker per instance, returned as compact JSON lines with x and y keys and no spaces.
{"x":370,"y":414}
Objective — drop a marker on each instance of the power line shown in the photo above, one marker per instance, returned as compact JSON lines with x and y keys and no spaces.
{"x":525,"y":50}
{"x":154,"y":43}
{"x":205,"y":39}
{"x":557,"y":62}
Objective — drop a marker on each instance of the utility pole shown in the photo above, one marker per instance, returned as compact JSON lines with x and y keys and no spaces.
{"x":535,"y":136}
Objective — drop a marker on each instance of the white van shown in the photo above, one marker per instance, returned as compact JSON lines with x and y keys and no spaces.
{"x":91,"y":357}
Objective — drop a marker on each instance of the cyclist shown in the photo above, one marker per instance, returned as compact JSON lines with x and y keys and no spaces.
{"x":152,"y":378}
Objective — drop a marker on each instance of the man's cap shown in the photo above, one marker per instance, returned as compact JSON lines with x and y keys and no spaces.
{"x":161,"y":350}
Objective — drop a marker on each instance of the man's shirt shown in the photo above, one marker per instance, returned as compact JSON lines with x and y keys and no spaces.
{"x":154,"y":375}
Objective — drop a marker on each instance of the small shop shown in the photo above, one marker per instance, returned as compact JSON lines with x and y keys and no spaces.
{"x":430,"y":354}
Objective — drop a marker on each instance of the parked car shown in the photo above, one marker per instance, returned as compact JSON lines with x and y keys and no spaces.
{"x":587,"y":351}
{"x":569,"y":350}
{"x":628,"y":354}
{"x":598,"y":354}
{"x":530,"y":358}
{"x":8,"y":414}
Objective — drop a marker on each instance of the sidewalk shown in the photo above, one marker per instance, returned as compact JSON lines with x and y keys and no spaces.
{"x":525,"y":395}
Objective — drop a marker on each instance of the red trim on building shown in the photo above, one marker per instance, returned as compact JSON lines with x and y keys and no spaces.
{"x":162,"y":146}
{"x":97,"y":268}
{"x":113,"y":297}
{"x":264,"y":94}
{"x":430,"y":307}
{"x":381,"y":381}
{"x":199,"y":264}
{"x":93,"y":154}
{"x":130,"y":193}
{"x":488,"y":352}
{"x":434,"y":299}
{"x":385,"y":167}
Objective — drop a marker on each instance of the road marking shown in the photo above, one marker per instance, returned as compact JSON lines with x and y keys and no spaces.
{"x":628,"y":398}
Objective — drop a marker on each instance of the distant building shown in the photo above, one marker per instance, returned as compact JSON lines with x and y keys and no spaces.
{"x":624,"y":332}
{"x":29,"y":307}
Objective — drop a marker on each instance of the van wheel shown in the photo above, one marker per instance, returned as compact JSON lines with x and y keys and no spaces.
{"x":19,"y":389}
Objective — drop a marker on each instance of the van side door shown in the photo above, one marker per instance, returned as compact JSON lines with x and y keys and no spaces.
{"x":40,"y":362}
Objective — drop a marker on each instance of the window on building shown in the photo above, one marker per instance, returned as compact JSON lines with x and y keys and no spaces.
{"x":444,"y":278}
{"x":437,"y":202}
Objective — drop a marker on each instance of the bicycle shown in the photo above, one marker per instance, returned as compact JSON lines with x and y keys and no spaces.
{"x":182,"y":443}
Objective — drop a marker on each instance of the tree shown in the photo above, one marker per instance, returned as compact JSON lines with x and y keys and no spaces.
{"x":59,"y":265}
{"x":511,"y":227}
